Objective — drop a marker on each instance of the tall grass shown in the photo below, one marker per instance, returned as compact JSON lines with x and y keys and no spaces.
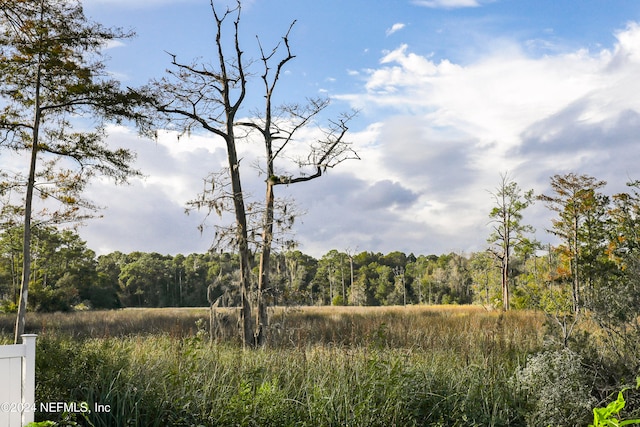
{"x":177,"y":322}
{"x":458,"y":328}
{"x":324,"y":367}
{"x":160,"y":381}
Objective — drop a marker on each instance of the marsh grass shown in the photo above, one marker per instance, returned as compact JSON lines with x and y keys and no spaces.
{"x":467,"y":330}
{"x":177,"y":322}
{"x":325,"y":367}
{"x":159,"y":380}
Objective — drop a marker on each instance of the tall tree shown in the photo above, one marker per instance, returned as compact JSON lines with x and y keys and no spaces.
{"x":574,"y":198}
{"x":52,"y":76}
{"x":279,"y":127}
{"x":210,"y":97}
{"x":508,"y":230}
{"x":618,"y":299}
{"x":615,"y":305}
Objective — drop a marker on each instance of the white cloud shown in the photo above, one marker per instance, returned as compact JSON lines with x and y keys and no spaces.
{"x":113,"y":44}
{"x":394,"y":28}
{"x":450,"y":129}
{"x":440,"y":134}
{"x":447,"y":4}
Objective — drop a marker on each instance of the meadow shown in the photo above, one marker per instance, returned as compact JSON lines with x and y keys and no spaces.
{"x":324,"y":366}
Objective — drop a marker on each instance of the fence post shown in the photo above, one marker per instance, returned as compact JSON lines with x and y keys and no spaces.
{"x":29,"y":377}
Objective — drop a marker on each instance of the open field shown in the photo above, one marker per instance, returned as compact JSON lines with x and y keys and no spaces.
{"x":325,"y":366}
{"x":419,"y":327}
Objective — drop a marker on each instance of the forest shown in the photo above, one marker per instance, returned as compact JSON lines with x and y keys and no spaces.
{"x":596,"y":233}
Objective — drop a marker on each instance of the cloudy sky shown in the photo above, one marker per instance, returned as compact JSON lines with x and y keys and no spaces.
{"x":451,"y":93}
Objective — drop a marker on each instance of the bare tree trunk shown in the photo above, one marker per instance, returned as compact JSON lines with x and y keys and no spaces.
{"x":243,"y":245}
{"x":262,"y":319}
{"x":231,"y":108}
{"x":26,"y":240}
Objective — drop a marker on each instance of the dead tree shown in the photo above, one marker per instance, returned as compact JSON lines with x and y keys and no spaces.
{"x":209,"y":98}
{"x":200,"y":96}
{"x":278,"y":128}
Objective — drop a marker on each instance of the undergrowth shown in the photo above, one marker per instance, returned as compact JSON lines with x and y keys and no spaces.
{"x":160,"y":381}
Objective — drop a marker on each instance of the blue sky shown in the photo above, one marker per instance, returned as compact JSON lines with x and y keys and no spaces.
{"x":451,"y":93}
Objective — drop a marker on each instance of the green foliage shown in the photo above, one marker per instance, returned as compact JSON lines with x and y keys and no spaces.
{"x":7,"y":306}
{"x":581,"y":216}
{"x":63,"y":272}
{"x":485,"y":280}
{"x":51,"y":76}
{"x":337,"y":300}
{"x":555,"y":385}
{"x":605,"y":417}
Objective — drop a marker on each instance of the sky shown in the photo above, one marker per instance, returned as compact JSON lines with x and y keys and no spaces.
{"x":450,"y":94}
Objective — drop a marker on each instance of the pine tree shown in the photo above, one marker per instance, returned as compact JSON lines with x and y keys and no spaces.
{"x":53,"y":81}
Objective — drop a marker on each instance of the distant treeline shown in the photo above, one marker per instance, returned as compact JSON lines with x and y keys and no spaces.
{"x":67,"y":275}
{"x":595,"y":266}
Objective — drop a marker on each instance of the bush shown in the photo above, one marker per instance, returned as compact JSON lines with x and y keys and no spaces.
{"x":555,"y":384}
{"x":8,"y":306}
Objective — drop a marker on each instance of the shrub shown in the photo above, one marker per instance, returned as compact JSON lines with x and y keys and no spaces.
{"x":8,"y":306}
{"x":555,"y":385}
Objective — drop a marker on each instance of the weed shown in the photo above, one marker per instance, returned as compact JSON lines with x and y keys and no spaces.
{"x":606,"y":417}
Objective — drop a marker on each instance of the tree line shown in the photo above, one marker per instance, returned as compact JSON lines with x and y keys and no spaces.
{"x":593,"y":266}
{"x":66,"y":275}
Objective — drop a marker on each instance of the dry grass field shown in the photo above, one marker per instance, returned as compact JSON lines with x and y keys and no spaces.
{"x":324,"y":366}
{"x":426,"y":327}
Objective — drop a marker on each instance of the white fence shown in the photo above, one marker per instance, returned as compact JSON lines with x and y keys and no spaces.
{"x":17,"y":382}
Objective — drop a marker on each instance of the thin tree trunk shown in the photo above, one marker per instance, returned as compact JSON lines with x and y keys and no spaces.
{"x":576,"y":277}
{"x":26,"y":241}
{"x":505,"y":284}
{"x":243,"y":246}
{"x":506,"y":255}
{"x":26,"y":250}
{"x":262,"y":320}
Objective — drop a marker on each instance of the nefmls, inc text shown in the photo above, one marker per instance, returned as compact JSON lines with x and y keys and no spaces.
{"x":72,"y":407}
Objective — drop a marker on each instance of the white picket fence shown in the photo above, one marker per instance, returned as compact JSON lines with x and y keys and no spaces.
{"x":18,"y":382}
